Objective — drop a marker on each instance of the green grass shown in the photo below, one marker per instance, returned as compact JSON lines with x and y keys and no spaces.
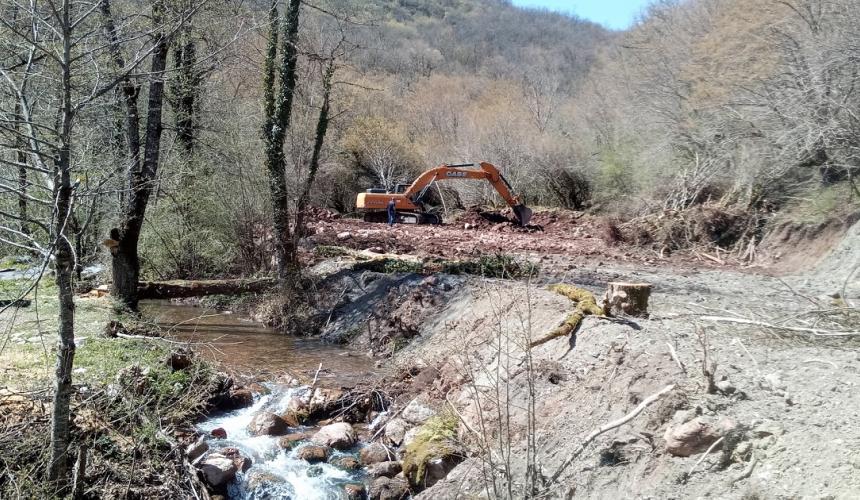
{"x":488,"y":266}
{"x":330,"y":251}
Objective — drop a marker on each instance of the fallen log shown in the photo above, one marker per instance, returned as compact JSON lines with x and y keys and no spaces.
{"x":586,"y":305}
{"x":199,"y":288}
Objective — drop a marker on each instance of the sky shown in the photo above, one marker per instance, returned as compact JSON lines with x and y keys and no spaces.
{"x":614,"y":14}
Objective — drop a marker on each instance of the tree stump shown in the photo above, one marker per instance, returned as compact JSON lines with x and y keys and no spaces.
{"x":627,"y":298}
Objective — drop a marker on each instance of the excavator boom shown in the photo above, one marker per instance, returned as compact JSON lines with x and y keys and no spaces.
{"x":411,"y":200}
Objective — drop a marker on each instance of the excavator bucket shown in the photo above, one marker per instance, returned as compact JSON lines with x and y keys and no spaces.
{"x":523,"y":214}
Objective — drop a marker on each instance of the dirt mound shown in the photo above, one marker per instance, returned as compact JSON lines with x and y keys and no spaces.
{"x":831,"y":245}
{"x":319,"y":213}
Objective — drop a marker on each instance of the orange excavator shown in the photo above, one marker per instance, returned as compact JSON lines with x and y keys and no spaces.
{"x":409,"y":199}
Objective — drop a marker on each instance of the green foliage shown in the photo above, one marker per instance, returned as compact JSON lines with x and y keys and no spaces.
{"x":435,"y":439}
{"x":330,"y":251}
{"x":615,"y":176}
{"x":493,"y":266}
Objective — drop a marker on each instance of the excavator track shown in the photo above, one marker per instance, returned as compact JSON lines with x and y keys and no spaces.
{"x":403,"y":218}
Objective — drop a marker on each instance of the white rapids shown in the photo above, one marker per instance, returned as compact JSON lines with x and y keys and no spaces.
{"x":275,"y":473}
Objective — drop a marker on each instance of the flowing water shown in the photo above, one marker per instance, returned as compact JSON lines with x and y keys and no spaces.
{"x":239,"y":344}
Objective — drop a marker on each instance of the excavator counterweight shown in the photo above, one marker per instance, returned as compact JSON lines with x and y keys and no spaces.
{"x":409,"y":204}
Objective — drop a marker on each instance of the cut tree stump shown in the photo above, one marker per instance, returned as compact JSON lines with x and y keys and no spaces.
{"x":627,"y":298}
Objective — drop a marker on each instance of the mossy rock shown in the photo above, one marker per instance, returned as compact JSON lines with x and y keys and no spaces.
{"x":433,"y":452}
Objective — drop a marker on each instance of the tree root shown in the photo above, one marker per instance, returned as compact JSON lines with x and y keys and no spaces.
{"x":586,"y":305}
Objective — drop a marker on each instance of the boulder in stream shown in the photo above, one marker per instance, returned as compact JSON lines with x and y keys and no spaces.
{"x":290,"y":441}
{"x":313,"y":454}
{"x":355,"y":491}
{"x":218,"y":470}
{"x":346,"y":462}
{"x":267,"y":424}
{"x":339,"y":436}
{"x":384,"y":488}
{"x":242,"y":462}
{"x":374,"y":453}
{"x":387,"y":469}
{"x":395,"y":430}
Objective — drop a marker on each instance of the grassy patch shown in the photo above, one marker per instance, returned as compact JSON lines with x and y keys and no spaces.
{"x":330,"y":251}
{"x":492,"y":266}
{"x":435,"y":439}
{"x":488,"y":266}
{"x":126,"y":402}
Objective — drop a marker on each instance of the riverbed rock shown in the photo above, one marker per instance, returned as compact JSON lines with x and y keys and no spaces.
{"x":410,"y":435}
{"x":384,"y":488}
{"x":196,"y":449}
{"x":429,"y":464}
{"x":241,"y":398}
{"x":313,"y":454}
{"x":395,"y":430}
{"x":218,"y":470}
{"x":416,"y":413}
{"x":696,"y":435}
{"x":218,"y":433}
{"x":374,"y":453}
{"x":267,"y":424}
{"x":242,"y":462}
{"x":290,"y":441}
{"x":355,"y":491}
{"x":387,"y":469}
{"x":323,"y":403}
{"x":339,"y":436}
{"x":259,"y":479}
{"x":346,"y":462}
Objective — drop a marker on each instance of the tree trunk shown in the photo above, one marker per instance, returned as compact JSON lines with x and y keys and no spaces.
{"x":21,"y":160}
{"x":627,"y":298}
{"x":322,"y":128}
{"x":185,"y":89}
{"x":125,"y":269}
{"x":125,"y":265}
{"x":65,"y":262}
{"x":278,"y":113}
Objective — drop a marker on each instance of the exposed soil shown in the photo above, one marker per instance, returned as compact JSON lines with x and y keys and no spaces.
{"x":790,"y":397}
{"x":577,"y":236}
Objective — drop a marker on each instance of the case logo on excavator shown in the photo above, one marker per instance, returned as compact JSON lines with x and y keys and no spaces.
{"x":455,"y":174}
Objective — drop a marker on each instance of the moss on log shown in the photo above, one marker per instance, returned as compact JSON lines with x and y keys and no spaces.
{"x":586,"y":305}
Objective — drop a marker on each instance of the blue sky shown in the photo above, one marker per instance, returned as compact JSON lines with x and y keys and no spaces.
{"x":614,"y":14}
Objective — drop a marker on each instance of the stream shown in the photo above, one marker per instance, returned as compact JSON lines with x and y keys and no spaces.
{"x":240,"y":345}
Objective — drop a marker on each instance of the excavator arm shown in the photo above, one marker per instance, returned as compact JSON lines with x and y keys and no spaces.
{"x":410,"y":202}
{"x":488,"y":172}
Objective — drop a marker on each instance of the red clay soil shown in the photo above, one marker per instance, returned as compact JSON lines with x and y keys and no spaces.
{"x":475,"y":233}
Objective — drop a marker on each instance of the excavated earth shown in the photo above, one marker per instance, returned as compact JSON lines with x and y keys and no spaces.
{"x":575,"y":235}
{"x":786,"y":409}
